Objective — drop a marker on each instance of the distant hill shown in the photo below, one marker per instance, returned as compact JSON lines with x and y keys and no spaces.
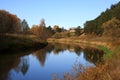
{"x":94,"y":26}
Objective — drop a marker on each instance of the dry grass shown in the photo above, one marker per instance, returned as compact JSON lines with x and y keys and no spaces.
{"x":110,"y":70}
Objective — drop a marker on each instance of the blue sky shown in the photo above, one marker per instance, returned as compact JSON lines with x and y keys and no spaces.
{"x":65,"y":13}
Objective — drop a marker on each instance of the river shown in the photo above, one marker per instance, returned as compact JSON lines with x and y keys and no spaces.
{"x":44,"y":64}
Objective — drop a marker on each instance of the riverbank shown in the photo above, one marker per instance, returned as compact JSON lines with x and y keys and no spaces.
{"x":74,"y":40}
{"x":19,"y":43}
{"x":110,"y":70}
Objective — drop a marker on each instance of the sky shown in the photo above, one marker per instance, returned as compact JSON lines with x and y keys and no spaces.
{"x":65,"y":13}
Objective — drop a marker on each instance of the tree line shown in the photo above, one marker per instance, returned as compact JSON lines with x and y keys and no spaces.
{"x":107,"y":24}
{"x":96,"y":26}
{"x":10,"y":23}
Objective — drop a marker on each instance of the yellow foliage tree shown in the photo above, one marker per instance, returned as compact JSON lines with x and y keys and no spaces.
{"x":40,"y":30}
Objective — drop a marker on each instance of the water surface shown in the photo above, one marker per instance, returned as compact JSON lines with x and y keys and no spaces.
{"x":45,"y":63}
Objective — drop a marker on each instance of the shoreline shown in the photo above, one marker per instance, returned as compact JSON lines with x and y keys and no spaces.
{"x":19,"y":43}
{"x":78,"y":41}
{"x":110,"y":69}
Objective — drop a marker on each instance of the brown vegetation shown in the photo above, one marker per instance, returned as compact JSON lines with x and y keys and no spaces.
{"x":109,"y":70}
{"x":40,"y":30}
{"x":9,"y":23}
{"x":112,"y":28}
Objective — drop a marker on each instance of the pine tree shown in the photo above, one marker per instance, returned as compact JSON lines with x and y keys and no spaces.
{"x":24,"y":26}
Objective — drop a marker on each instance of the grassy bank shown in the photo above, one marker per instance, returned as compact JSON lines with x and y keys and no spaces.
{"x":16,"y":43}
{"x":110,"y":70}
{"x":79,"y":41}
{"x":107,"y":51}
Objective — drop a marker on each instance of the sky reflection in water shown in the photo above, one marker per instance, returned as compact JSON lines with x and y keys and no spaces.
{"x":45,"y":63}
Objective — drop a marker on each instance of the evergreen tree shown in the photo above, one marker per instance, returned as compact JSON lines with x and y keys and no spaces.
{"x":50,"y":30}
{"x":24,"y":26}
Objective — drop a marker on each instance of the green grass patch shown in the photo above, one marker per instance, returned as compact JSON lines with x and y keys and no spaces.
{"x":107,"y":52}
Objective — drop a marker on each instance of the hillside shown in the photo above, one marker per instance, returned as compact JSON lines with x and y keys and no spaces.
{"x":95,"y":26}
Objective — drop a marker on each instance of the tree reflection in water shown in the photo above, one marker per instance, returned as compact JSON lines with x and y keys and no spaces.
{"x":91,"y":54}
{"x":20,"y":64}
{"x":23,"y":65}
{"x":41,"y":54}
{"x":13,"y":63}
{"x":7,"y":62}
{"x":56,"y":48}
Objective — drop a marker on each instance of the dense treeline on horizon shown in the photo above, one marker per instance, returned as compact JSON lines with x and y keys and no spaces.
{"x":95,"y":26}
{"x":106,"y":24}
